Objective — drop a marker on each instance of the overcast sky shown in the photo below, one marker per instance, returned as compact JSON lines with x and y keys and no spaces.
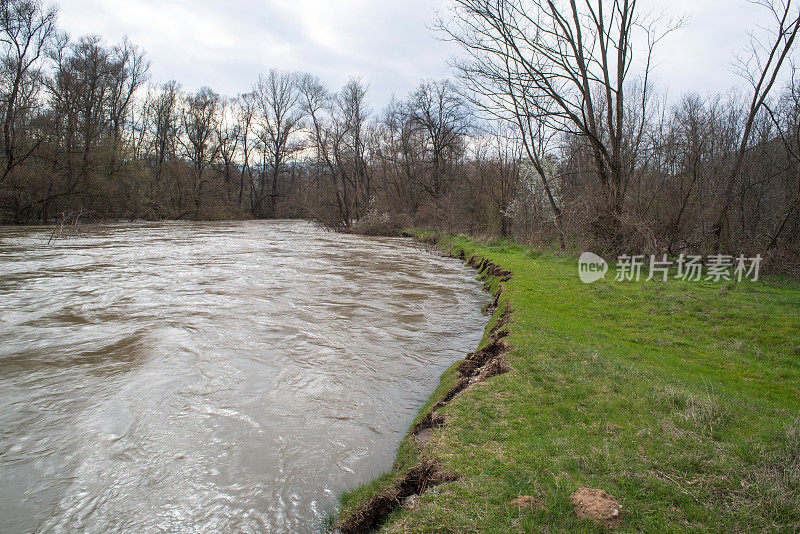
{"x":224,"y":44}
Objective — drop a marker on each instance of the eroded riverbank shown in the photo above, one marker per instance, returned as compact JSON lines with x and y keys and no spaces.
{"x":419,"y":468}
{"x":637,"y":406}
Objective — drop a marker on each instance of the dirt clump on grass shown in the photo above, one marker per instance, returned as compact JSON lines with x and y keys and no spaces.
{"x":597,"y":505}
{"x":527,"y":501}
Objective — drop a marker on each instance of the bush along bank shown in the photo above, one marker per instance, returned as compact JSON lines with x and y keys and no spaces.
{"x":617,"y":405}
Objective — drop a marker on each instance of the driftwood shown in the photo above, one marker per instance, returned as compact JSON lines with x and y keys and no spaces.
{"x":69,"y":225}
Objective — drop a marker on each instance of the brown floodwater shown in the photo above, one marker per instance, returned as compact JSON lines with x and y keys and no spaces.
{"x":213,"y":377}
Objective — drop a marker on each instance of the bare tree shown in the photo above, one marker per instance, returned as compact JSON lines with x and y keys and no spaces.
{"x":327,"y":132}
{"x":166,"y":126}
{"x":199,"y":118}
{"x":228,"y":132}
{"x":438,"y":110}
{"x":760,"y":68}
{"x":507,"y":147}
{"x":245,"y":110}
{"x":787,"y":121}
{"x":26,"y":31}
{"x":400,"y":155}
{"x":559,"y":66}
{"x":128,"y":72}
{"x":355,"y":114}
{"x":280,"y":119}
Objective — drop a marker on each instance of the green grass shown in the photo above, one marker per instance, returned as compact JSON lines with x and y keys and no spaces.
{"x":681,"y":399}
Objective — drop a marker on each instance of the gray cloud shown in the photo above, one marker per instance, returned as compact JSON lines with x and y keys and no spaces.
{"x":225,"y":45}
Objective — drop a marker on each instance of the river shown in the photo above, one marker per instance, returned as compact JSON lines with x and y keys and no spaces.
{"x":213,"y":377}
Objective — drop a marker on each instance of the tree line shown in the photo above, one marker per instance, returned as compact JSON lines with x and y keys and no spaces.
{"x":552,"y":131}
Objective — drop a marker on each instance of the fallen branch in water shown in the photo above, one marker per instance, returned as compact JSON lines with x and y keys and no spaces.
{"x":68,"y":227}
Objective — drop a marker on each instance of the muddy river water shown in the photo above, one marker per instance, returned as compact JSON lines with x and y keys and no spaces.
{"x":213,"y":377}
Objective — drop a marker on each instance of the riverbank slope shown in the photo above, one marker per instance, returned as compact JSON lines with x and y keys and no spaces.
{"x":681,"y":400}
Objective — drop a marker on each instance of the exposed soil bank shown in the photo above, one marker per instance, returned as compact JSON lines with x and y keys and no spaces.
{"x":483,"y":364}
{"x":642,"y":407}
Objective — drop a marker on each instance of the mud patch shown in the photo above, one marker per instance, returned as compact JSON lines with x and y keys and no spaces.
{"x":489,"y":272}
{"x":494,"y":367}
{"x":422,"y":431}
{"x":499,"y":329}
{"x":487,"y":268}
{"x":416,"y":481}
{"x":459,"y":386}
{"x":597,"y":505}
{"x":475,"y":361}
{"x":483,"y":364}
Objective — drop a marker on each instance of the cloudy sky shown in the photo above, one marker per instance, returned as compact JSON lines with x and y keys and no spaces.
{"x":225,"y":44}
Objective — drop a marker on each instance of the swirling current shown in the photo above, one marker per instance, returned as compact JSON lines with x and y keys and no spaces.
{"x":213,"y":377}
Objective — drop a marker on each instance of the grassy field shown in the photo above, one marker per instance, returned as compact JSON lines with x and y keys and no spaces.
{"x":680,"y":399}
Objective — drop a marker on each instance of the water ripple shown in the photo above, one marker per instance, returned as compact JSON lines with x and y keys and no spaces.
{"x":200,"y":377}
